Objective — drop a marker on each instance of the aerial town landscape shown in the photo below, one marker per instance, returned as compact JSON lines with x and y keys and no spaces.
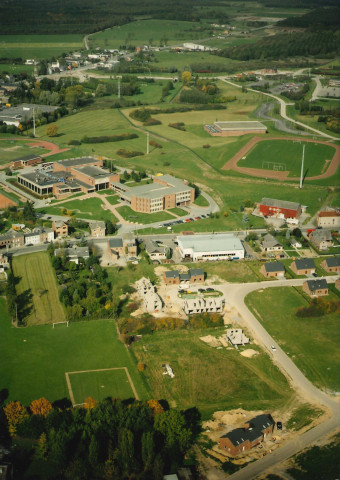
{"x":170,"y":240}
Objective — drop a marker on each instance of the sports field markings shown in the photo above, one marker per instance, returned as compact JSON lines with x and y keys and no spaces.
{"x":70,"y":391}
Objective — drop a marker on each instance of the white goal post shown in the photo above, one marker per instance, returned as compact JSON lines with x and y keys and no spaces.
{"x":58,"y":323}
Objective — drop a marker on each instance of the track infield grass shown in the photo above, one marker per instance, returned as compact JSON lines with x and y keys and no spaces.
{"x":34,"y":360}
{"x":312,"y":343}
{"x":208,"y":378}
{"x":37,"y":275}
{"x":288,"y":155}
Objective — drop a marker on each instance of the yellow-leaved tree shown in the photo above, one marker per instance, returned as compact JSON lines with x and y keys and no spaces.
{"x":15,"y":413}
{"x":89,"y":403}
{"x":186,"y":77}
{"x":41,"y":406}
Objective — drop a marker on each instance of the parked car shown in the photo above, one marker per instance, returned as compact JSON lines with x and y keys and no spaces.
{"x":273,"y":348}
{"x":279,"y":425}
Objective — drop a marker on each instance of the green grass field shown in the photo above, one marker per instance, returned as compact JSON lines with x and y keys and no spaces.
{"x":289,"y":155}
{"x":208,"y":378}
{"x":12,"y":149}
{"x":34,"y":360}
{"x":89,"y":209}
{"x":307,"y":340}
{"x":100,"y":384}
{"x":39,"y":46}
{"x":180,"y":60}
{"x":145,"y":32}
{"x":37,"y":274}
{"x":15,"y":69}
{"x":144,"y":218}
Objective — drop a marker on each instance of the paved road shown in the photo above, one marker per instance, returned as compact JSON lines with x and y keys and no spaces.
{"x":235,"y":295}
{"x":263,"y":112}
{"x":283,"y":113}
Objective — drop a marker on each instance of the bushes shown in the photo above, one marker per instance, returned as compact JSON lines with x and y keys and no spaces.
{"x":152,"y":121}
{"x":143,"y":114}
{"x":122,"y":152}
{"x":109,"y":138}
{"x":178,"y":126}
{"x":74,"y":142}
{"x":155,"y":144}
{"x":319,"y":307}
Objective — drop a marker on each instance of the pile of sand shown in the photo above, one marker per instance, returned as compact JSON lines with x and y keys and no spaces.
{"x":210,"y":340}
{"x":222,"y":419}
{"x":223,"y":341}
{"x":249,"y":353}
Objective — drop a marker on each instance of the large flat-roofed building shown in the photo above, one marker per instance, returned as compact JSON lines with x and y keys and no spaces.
{"x":279,"y":208}
{"x":165,"y":192}
{"x":28,"y":160}
{"x":234,"y":129}
{"x":84,"y":174}
{"x":204,"y":248}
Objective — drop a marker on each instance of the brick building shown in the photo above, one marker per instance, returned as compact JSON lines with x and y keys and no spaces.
{"x":251,"y":434}
{"x":28,"y":161}
{"x":12,"y":239}
{"x":331,"y":264}
{"x":316,"y":288}
{"x":60,"y":228}
{"x":303,"y":266}
{"x":321,"y":239}
{"x":165,"y":192}
{"x":173,"y":277}
{"x":235,"y":129}
{"x":98,"y":229}
{"x":329,"y":219}
{"x":273,"y":269}
{"x":279,"y":208}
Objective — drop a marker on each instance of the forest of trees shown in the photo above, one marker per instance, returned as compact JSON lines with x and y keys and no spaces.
{"x":318,"y":19}
{"x":282,"y":46}
{"x":109,"y":440}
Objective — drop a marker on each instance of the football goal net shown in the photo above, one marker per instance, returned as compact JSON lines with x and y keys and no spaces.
{"x":56,"y":324}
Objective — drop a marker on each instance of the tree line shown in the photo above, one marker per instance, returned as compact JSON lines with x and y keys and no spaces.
{"x":111,"y":439}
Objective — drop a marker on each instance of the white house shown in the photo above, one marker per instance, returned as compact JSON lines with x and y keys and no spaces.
{"x":223,"y":246}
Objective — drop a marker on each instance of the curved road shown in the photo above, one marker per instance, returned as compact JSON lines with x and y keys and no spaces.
{"x":283,"y":113}
{"x":235,"y":295}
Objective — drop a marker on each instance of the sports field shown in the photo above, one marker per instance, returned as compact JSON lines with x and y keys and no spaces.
{"x":286,"y":155}
{"x":34,"y":360}
{"x":12,"y":149}
{"x":208,"y":378}
{"x":99,"y":384}
{"x":37,"y":275}
{"x":39,"y":46}
{"x":307,"y":340}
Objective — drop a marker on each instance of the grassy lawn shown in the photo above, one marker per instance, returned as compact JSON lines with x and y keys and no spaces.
{"x":121,"y":277}
{"x":307,"y":340}
{"x":180,"y":60}
{"x":34,"y":360}
{"x":199,"y":369}
{"x":234,"y":272}
{"x":15,"y":69}
{"x":99,"y":385}
{"x":89,"y":209}
{"x":39,"y":46}
{"x":12,"y":149}
{"x":37,"y":274}
{"x":289,"y":154}
{"x":113,"y":199}
{"x":201,"y":201}
{"x":137,"y":217}
{"x":178,"y":211}
{"x":303,"y":416}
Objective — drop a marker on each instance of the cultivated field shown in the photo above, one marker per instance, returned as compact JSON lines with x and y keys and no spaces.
{"x":39,"y":46}
{"x":34,"y":360}
{"x":208,"y":378}
{"x":288,"y":154}
{"x":307,"y":340}
{"x":37,"y":275}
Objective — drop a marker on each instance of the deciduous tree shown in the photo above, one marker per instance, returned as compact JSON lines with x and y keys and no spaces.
{"x":15,"y":413}
{"x":41,"y":406}
{"x":52,"y":130}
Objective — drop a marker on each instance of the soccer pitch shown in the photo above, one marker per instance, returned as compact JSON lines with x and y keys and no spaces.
{"x":99,"y":384}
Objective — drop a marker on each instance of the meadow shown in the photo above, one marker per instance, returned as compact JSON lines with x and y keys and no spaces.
{"x":199,"y":370}
{"x":15,"y":69}
{"x":34,"y":360}
{"x":89,"y":209}
{"x":37,"y":275}
{"x":289,"y":154}
{"x":147,"y":32}
{"x":12,"y":149}
{"x":307,"y":340}
{"x":39,"y":46}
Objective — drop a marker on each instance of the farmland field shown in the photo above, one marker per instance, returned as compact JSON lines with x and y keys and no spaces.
{"x":146,"y":32}
{"x":199,"y":368}
{"x":39,"y":46}
{"x":307,"y":340}
{"x":289,"y":153}
{"x":37,"y":274}
{"x":34,"y":360}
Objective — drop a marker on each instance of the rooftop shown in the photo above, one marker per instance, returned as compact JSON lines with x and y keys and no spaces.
{"x":274,"y":267}
{"x":93,"y":171}
{"x":304,"y":263}
{"x":245,"y":125}
{"x":154,"y":190}
{"x":116,"y":242}
{"x":333,"y":262}
{"x":271,"y":202}
{"x":210,"y":243}
{"x":72,"y":162}
{"x":318,"y":284}
{"x":331,"y":213}
{"x":270,"y":241}
{"x":26,"y":158}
